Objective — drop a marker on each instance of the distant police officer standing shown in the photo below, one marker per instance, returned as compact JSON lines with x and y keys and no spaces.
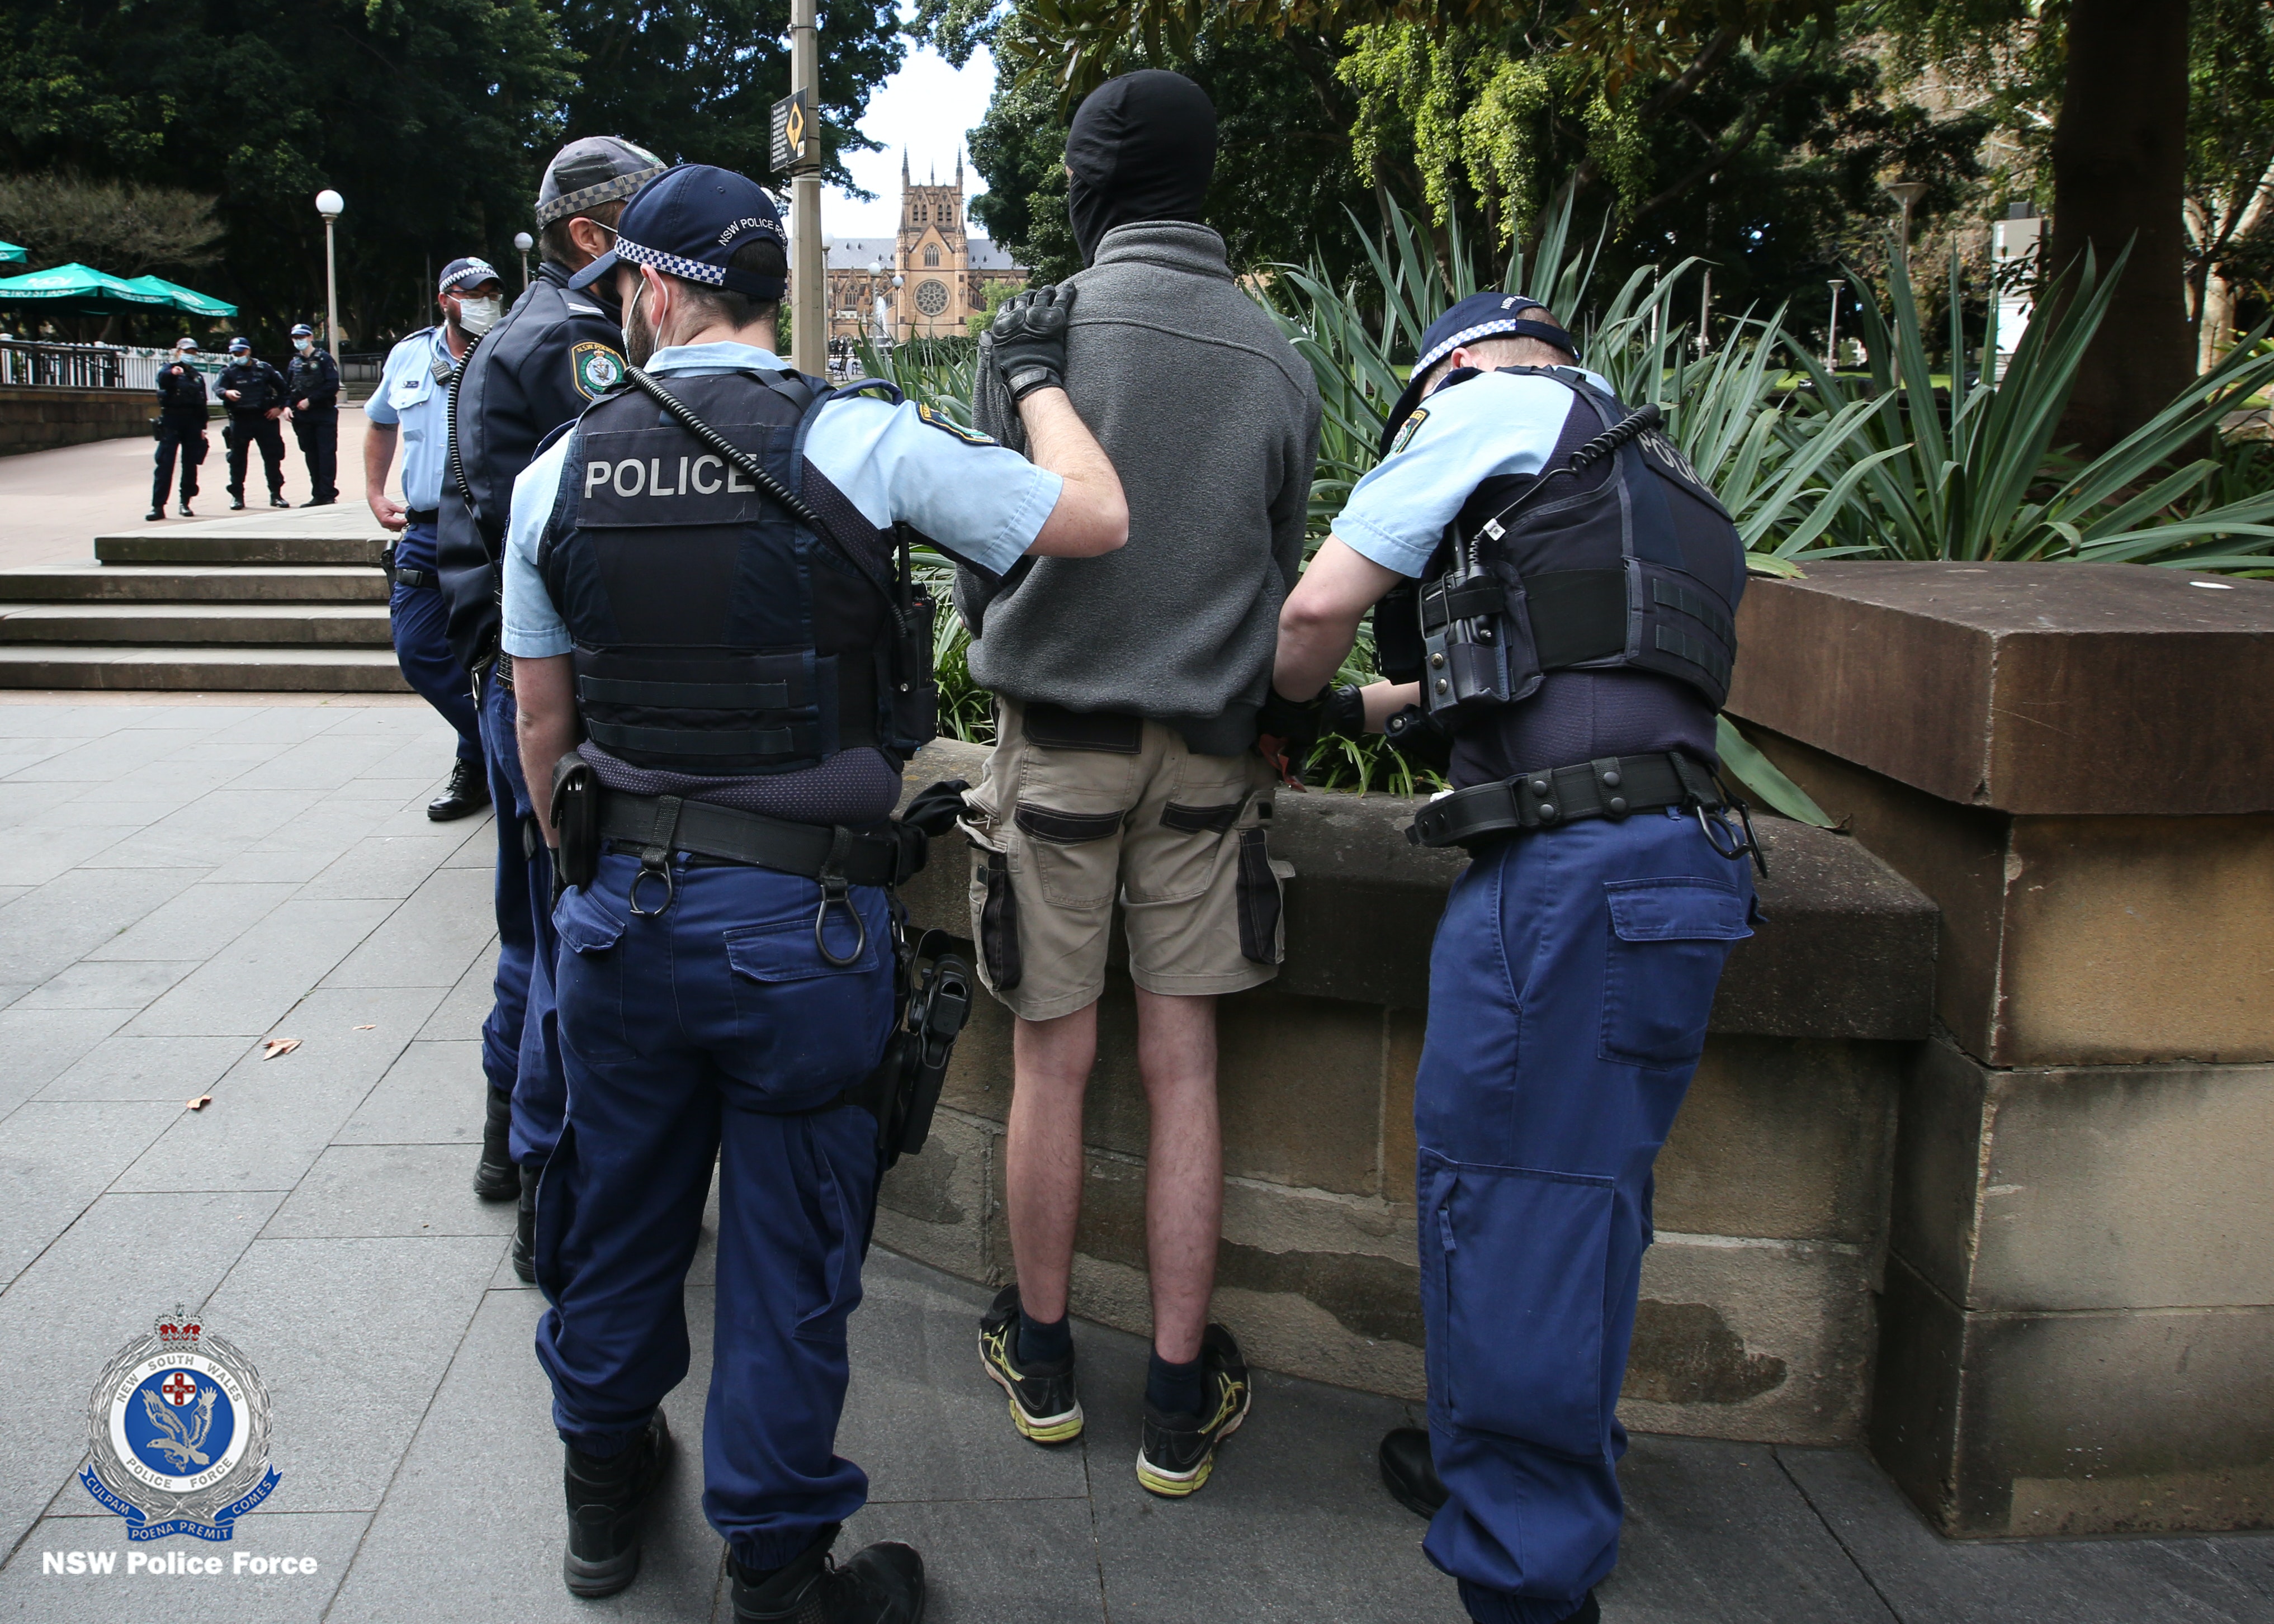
{"x":411,"y":401}
{"x":312,"y":388}
{"x":1572,"y":633}
{"x":550,"y":357}
{"x":181,"y":427}
{"x":748,"y":673}
{"x":253,"y":392}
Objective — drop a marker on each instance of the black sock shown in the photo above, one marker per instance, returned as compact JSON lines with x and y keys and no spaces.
{"x":1043,"y":1344}
{"x":1176,"y":1388}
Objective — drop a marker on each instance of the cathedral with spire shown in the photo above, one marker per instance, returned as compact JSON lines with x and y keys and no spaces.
{"x":944,"y":271}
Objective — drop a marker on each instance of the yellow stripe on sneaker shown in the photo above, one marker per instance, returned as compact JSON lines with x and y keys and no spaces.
{"x":1175,"y":1486}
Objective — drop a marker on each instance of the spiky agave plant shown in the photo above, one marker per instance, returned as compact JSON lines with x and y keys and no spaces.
{"x":1981,"y":477}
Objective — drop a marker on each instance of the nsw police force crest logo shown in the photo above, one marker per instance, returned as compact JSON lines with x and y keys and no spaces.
{"x":178,"y":1433}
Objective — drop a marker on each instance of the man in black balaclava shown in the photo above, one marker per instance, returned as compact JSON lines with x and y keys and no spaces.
{"x":1126,"y":762}
{"x":1142,"y":148}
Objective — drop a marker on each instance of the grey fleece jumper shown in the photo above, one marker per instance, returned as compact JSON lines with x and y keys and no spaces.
{"x":1212,"y":420}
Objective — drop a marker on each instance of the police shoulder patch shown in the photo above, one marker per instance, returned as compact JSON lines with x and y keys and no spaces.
{"x":969,"y":436}
{"x":1407,"y":430}
{"x":596,"y":368}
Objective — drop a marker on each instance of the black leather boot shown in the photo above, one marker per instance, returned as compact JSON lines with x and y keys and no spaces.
{"x":495,"y":1176}
{"x":883,"y":1584}
{"x":607,"y":1507}
{"x":1409,"y":1472}
{"x":468,"y":792}
{"x":524,"y":1229}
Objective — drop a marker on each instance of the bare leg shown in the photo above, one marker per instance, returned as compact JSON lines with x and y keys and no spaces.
{"x":1043,"y":1164}
{"x":1183,"y":1170}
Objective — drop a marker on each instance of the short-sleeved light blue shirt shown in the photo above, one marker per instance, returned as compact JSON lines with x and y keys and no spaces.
{"x":410,"y":394}
{"x":981,"y":501}
{"x":1495,"y":423}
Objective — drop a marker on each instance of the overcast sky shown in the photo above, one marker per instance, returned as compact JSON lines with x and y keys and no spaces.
{"x":926,"y":107}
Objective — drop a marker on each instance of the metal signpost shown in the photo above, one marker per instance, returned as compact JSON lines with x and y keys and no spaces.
{"x":797,"y":150}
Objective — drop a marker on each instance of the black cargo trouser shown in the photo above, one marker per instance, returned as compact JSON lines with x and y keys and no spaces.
{"x":186,"y":435}
{"x":319,"y":434}
{"x":245,"y":429}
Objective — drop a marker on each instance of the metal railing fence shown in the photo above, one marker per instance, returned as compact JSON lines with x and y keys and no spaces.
{"x":62,"y":367}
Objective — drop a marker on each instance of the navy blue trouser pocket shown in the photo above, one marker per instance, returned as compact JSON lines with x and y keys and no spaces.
{"x":1515,"y":1265}
{"x":1669,"y":939}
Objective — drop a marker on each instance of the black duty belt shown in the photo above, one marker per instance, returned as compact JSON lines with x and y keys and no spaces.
{"x":658,"y":825}
{"x":705,"y":828}
{"x":422,"y":516}
{"x":1612,"y":786}
{"x":406,"y":576}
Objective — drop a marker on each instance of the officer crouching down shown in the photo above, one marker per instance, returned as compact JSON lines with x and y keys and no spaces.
{"x":747,"y":675}
{"x":1571,"y":634}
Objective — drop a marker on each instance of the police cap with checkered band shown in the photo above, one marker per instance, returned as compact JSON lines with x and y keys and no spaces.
{"x":688,"y":222}
{"x":1475,"y":319}
{"x":592,"y":170}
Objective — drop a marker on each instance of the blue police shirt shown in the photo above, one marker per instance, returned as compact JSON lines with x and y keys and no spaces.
{"x":408,"y":393}
{"x":1494,"y":423}
{"x":981,"y":501}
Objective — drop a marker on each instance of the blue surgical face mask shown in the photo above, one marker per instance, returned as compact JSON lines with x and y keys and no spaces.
{"x":303,"y":345}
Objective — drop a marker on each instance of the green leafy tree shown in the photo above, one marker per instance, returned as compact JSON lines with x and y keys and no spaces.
{"x":124,"y":229}
{"x":696,"y":79}
{"x":1283,"y":159}
{"x":434,"y":118}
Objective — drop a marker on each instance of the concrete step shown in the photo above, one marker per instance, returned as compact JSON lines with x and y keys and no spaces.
{"x":194,"y":583}
{"x":189,"y":545}
{"x":65,"y":666}
{"x":318,"y":626}
{"x":342,"y":533}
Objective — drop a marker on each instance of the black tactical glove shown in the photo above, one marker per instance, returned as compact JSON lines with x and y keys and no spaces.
{"x":1286,"y":730}
{"x":1030,"y":340}
{"x":1342,"y":714}
{"x":935,"y":810}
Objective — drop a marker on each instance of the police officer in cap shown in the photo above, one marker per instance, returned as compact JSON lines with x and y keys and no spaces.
{"x":253,"y":392}
{"x":748,"y":674}
{"x":554,"y":353}
{"x":312,"y":387}
{"x":181,"y":427}
{"x":412,"y":404}
{"x":1571,"y":637}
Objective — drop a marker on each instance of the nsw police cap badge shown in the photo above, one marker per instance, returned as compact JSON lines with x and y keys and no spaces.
{"x":597,"y":369}
{"x":178,"y":1433}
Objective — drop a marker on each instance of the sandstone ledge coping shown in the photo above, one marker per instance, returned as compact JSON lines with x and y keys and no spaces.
{"x":2032,"y":688}
{"x":1846,"y":948}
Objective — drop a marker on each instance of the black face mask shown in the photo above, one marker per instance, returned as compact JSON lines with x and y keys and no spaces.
{"x":1142,"y":146}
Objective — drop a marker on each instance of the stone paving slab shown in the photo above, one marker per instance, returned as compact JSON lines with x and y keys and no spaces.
{"x":188,"y":879}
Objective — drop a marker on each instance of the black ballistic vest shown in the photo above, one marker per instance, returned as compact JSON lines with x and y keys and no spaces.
{"x":1631,"y":565}
{"x":714,"y":632}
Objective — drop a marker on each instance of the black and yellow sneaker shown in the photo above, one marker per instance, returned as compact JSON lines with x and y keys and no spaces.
{"x":1044,"y":1404}
{"x":1178,"y":1451}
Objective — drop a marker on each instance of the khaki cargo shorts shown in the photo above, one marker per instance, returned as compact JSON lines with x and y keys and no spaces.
{"x":1077,"y":811}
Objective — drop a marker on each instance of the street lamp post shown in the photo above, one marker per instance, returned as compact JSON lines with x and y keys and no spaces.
{"x":330,"y":204}
{"x":522,"y":244}
{"x":1832,"y":333}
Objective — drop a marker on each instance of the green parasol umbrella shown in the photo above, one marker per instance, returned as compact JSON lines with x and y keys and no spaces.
{"x":13,"y":254}
{"x":180,"y":297}
{"x":78,"y":291}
